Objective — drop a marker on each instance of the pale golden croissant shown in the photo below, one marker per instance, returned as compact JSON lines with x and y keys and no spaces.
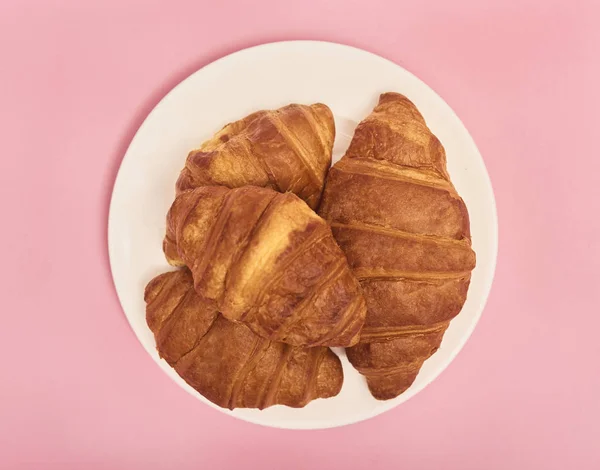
{"x":288,"y":150}
{"x":405,"y":231}
{"x":269,"y":261}
{"x":225,"y":361}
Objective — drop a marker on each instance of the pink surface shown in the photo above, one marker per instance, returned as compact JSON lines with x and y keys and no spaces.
{"x":78,"y":391}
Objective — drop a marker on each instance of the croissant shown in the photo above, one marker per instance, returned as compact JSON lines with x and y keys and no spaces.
{"x":288,"y":149}
{"x":269,"y":261}
{"x":227,"y":363}
{"x":405,"y":232}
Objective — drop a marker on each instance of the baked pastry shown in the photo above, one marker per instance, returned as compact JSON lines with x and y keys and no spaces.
{"x":405,"y":232}
{"x":270,"y":262}
{"x":225,"y":361}
{"x":288,"y":149}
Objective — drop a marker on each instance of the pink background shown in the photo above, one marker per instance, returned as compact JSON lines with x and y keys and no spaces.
{"x":76,"y":80}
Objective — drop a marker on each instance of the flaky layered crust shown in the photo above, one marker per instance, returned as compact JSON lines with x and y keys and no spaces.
{"x":288,"y":150}
{"x":269,"y":261}
{"x":225,"y":361}
{"x":405,"y":232}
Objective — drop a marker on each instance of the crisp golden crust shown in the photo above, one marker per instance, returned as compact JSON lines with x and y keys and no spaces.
{"x":288,"y":150}
{"x":391,"y":366}
{"x":405,"y":232}
{"x":269,"y":261}
{"x":400,"y":255}
{"x":418,"y":304}
{"x":395,"y":132}
{"x":407,"y":205}
{"x":225,"y":361}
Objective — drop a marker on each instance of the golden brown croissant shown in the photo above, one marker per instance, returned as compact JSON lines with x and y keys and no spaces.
{"x":288,"y":149}
{"x":269,"y":261}
{"x":405,"y":231}
{"x":225,"y":361}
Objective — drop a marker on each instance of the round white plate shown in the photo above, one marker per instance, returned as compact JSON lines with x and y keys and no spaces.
{"x":349,"y":81}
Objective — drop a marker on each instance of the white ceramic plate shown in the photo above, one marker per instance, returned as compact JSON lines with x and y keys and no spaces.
{"x":349,"y":81}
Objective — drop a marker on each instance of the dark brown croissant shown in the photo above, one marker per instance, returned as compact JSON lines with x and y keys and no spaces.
{"x":405,"y":231}
{"x":225,"y":361}
{"x":269,"y":261}
{"x":288,"y":150}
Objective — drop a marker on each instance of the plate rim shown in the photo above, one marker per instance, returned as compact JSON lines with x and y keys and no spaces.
{"x":485,"y":291}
